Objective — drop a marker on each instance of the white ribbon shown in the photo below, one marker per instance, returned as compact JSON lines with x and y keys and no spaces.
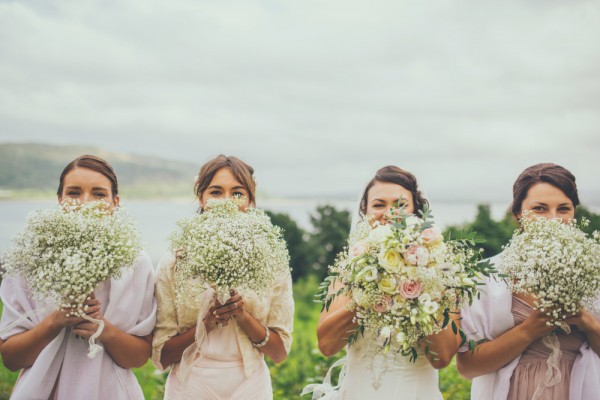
{"x":553,"y":375}
{"x":94,"y":347}
{"x":320,"y":390}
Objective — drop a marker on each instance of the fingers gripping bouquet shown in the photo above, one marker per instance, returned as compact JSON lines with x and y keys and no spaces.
{"x":64,"y":253}
{"x":557,"y":263}
{"x":229,"y":249}
{"x":404,"y":281}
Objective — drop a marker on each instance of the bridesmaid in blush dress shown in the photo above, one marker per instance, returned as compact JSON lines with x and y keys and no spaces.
{"x":518,"y":360}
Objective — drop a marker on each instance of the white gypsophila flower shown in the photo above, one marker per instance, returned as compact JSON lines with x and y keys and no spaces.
{"x":64,"y":252}
{"x":557,"y":262}
{"x":229,"y":249}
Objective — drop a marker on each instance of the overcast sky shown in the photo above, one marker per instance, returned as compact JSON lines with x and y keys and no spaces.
{"x":315,"y":94}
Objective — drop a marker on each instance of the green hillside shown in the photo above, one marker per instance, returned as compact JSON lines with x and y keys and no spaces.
{"x":32,"y":171}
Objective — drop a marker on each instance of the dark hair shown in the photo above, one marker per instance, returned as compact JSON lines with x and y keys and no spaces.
{"x":242,"y":172}
{"x":393,"y":174}
{"x":553,"y":174}
{"x":94,"y":163}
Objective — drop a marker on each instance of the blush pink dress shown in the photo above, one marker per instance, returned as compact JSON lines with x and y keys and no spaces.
{"x":532,"y":366}
{"x":219,"y":373}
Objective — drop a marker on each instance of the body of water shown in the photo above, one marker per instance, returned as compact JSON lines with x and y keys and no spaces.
{"x":156,"y":219}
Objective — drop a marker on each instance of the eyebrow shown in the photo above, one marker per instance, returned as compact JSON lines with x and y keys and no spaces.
{"x":221,"y":187}
{"x":400,"y":199}
{"x":560,"y":205}
{"x":94,"y":188}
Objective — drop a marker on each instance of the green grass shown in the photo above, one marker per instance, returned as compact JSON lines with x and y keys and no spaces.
{"x":304,"y":364}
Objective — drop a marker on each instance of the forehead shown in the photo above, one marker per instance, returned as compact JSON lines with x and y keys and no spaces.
{"x":224,"y":177}
{"x":546,"y":193}
{"x":388,"y":191}
{"x":86,"y":177}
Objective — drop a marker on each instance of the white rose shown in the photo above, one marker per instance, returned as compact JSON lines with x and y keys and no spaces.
{"x":413,"y":220}
{"x":369,"y":273}
{"x":380,"y":234}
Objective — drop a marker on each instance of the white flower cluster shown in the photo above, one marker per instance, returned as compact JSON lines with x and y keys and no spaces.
{"x":229,"y":249}
{"x":404,"y":281}
{"x":64,"y":252}
{"x":557,"y":263}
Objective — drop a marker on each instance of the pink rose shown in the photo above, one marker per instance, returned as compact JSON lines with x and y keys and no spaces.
{"x":432,"y":236}
{"x":383,"y":305}
{"x":417,"y":255}
{"x":410,"y":289}
{"x":358,"y":249}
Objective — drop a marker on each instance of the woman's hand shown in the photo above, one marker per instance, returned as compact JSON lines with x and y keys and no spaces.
{"x":233,"y":308}
{"x":85,"y":328}
{"x":583,"y":320}
{"x":537,"y":325}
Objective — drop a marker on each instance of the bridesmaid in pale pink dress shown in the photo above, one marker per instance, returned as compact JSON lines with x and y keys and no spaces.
{"x":45,"y":343}
{"x":217,"y":351}
{"x":517,"y":360}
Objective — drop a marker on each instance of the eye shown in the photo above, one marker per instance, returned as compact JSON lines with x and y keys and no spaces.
{"x":564,"y":209}
{"x":100,"y":194}
{"x":539,"y":208}
{"x":72,"y":193}
{"x":237,"y":195}
{"x":215,"y":193}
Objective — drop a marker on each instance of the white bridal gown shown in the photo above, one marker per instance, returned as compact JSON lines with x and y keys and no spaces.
{"x":369,"y":374}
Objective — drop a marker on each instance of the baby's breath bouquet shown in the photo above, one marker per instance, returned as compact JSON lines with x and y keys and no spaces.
{"x":230,"y":249}
{"x":404,"y":281}
{"x":557,"y":263}
{"x":64,"y":252}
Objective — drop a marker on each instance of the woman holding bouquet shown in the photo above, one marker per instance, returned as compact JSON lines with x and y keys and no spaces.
{"x":47,"y":344}
{"x":217,"y":349}
{"x":517,"y":359}
{"x":371,"y":373}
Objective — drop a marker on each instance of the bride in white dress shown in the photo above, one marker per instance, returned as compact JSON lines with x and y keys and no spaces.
{"x":367,"y":372}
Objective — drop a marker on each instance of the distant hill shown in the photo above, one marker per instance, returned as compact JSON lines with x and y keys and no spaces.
{"x":32,"y":170}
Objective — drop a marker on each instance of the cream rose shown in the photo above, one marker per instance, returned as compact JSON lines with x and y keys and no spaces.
{"x":388,"y":284}
{"x":390,"y":260}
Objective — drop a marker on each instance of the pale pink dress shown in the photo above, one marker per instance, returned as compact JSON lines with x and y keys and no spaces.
{"x":219,"y":374}
{"x":532,"y":365}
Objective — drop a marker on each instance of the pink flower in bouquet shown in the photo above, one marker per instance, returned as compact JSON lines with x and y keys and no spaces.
{"x":432,"y":236}
{"x":417,"y":255}
{"x":410,"y":289}
{"x":383,"y":305}
{"x":358,"y":249}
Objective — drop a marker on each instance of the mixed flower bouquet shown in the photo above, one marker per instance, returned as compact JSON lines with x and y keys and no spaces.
{"x":64,"y":252}
{"x":228,"y":248}
{"x":404,"y":281}
{"x":557,"y":263}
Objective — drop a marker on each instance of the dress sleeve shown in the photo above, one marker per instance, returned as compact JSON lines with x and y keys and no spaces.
{"x":19,"y":311}
{"x":281,"y":311}
{"x":166,"y":315}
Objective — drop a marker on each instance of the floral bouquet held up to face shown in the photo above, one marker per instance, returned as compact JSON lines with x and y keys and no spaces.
{"x":404,"y":281}
{"x":227,"y":249}
{"x":64,"y":253}
{"x":555,"y":262}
